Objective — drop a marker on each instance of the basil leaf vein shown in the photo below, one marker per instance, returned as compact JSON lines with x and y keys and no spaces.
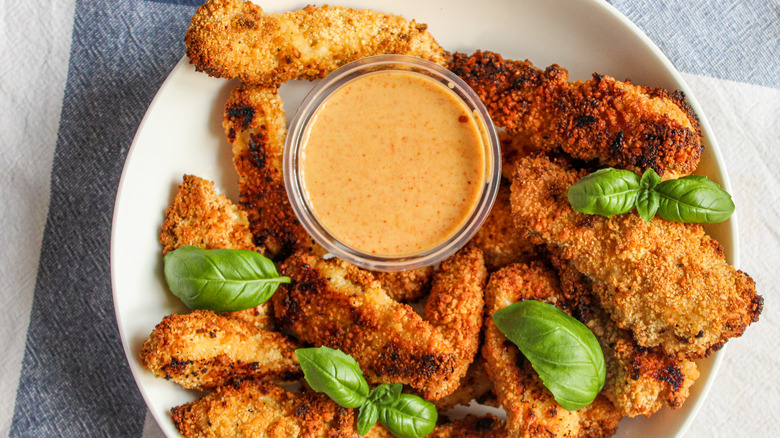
{"x":562,"y":350}
{"x":222,"y":280}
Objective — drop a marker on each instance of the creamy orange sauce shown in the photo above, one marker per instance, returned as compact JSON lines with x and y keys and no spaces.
{"x":393,"y":163}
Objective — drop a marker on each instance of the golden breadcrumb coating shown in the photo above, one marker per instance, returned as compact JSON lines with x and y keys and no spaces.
{"x":456,"y":305}
{"x":261,"y":316}
{"x":256,"y":128}
{"x":335,"y":304}
{"x":406,"y":286}
{"x":200,"y":217}
{"x":472,"y":426}
{"x":531,"y":409}
{"x":254,"y":409}
{"x":668,"y":282}
{"x":475,"y":385}
{"x":639,"y":380}
{"x":615,"y":123}
{"x":501,"y":242}
{"x":205,"y":350}
{"x":236,"y":39}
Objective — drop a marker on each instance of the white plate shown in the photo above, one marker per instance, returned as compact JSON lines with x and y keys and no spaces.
{"x":182,"y":133}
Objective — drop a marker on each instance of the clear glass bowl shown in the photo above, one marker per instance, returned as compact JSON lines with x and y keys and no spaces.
{"x":295,"y":141}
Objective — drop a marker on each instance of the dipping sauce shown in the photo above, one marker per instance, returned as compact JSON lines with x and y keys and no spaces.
{"x":393,"y":163}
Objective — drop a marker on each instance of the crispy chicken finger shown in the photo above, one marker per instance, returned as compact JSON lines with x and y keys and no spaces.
{"x":236,"y":39}
{"x":457,"y":302}
{"x":256,"y":128}
{"x":639,"y":380}
{"x":200,"y":217}
{"x":616,"y":123}
{"x":205,"y":350}
{"x":667,"y":282}
{"x":335,"y":304}
{"x":531,"y":409}
{"x":253,"y":409}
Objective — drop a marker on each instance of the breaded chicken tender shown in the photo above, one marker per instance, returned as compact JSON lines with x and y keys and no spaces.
{"x":615,"y":123}
{"x":531,"y":409}
{"x":639,"y":380}
{"x":457,"y":302}
{"x":236,"y":39}
{"x":500,"y":241}
{"x":667,"y":282}
{"x":204,"y":350}
{"x":256,"y":128}
{"x":254,"y":409}
{"x":200,"y":217}
{"x":472,"y":426}
{"x":335,"y":304}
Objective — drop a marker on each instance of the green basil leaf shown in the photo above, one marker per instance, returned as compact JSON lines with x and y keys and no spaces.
{"x":562,"y":350}
{"x":606,"y":192}
{"x":385,"y":395}
{"x":409,"y":417}
{"x":334,"y":373}
{"x":702,"y":179}
{"x":368,"y":416}
{"x":647,"y":203}
{"x":649,"y":179}
{"x":222,"y":280}
{"x":693,"y":199}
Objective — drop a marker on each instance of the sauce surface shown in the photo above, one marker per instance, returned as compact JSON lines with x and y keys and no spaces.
{"x":393,"y":163}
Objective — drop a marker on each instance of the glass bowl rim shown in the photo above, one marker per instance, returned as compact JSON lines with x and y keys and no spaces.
{"x":294,"y":142}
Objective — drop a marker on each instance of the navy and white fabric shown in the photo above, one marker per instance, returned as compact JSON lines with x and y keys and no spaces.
{"x":75,"y":81}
